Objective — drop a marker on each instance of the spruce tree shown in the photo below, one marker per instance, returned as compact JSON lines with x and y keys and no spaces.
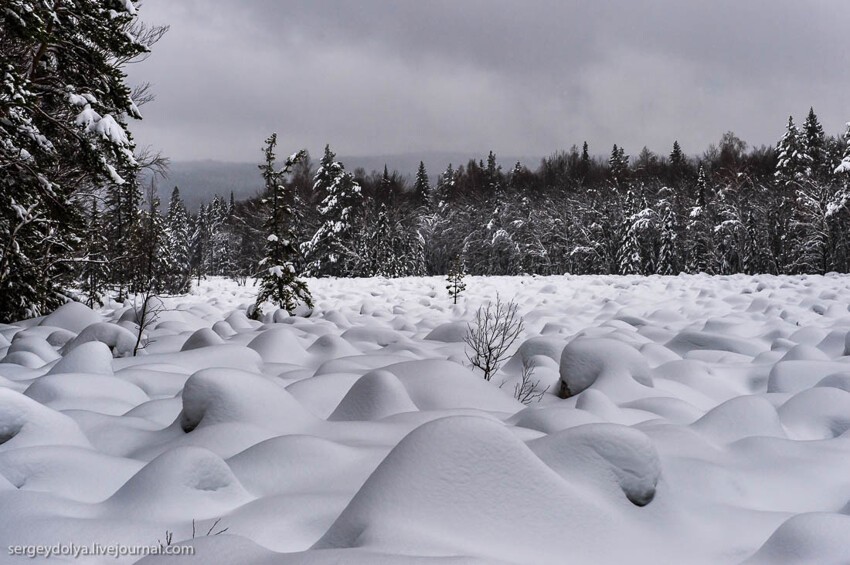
{"x":422,"y":186}
{"x":677,"y":158}
{"x":584,"y":163}
{"x":456,"y":284}
{"x":792,"y":161}
{"x":618,"y":164}
{"x":177,"y":223}
{"x":815,"y":143}
{"x":331,"y":250}
{"x":279,"y":282}
{"x":843,"y":167}
{"x":94,"y":275}
{"x":64,"y":104}
{"x":200,"y":242}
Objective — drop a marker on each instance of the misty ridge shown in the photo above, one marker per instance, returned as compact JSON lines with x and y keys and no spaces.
{"x":200,"y":181}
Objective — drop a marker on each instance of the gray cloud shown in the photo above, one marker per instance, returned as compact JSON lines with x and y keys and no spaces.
{"x":521,"y":78}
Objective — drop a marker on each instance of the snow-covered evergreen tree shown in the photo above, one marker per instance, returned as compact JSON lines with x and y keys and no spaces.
{"x":814,"y":144}
{"x":699,"y":229}
{"x":331,"y":250}
{"x":843,"y":167}
{"x":669,"y":253}
{"x":422,"y":186}
{"x":279,"y":282}
{"x":618,"y":164}
{"x":444,"y":191}
{"x":64,"y":105}
{"x":177,"y":226}
{"x":792,"y":162}
{"x":199,"y":243}
{"x":94,"y":275}
{"x":456,"y":284}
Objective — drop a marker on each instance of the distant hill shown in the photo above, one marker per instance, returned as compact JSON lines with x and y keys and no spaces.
{"x":199,"y":181}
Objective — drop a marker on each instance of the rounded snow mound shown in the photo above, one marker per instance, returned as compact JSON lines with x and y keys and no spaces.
{"x":802,"y":352}
{"x":740,"y":417}
{"x":101,"y":393}
{"x":204,"y":337}
{"x":182,"y":483}
{"x":604,"y":453}
{"x":687,"y":341}
{"x":436,"y":384}
{"x":450,"y":332}
{"x":468,"y":485}
{"x":585,"y":360}
{"x":807,"y":538}
{"x":215,"y":396}
{"x":838,"y":380}
{"x":372,"y":334}
{"x":331,"y":346}
{"x":38,"y":346}
{"x":375,"y":395}
{"x":295,"y":464}
{"x":90,"y":357}
{"x":119,"y":339}
{"x":72,"y":316}
{"x":551,"y":347}
{"x":817,"y":413}
{"x":26,"y":423}
{"x":279,"y":345}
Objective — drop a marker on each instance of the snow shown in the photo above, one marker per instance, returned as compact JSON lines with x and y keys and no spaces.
{"x":707,"y":421}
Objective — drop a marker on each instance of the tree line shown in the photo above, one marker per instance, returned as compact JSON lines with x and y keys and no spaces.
{"x":75,"y":221}
{"x":732,"y":209}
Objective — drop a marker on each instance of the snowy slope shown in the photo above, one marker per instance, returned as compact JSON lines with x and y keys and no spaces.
{"x":708,"y":424}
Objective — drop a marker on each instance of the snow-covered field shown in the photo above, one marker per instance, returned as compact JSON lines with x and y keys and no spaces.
{"x":711,"y":426}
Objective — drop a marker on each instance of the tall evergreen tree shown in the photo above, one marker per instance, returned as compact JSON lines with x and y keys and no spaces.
{"x":64,"y":104}
{"x":331,"y":250}
{"x":422,"y":186}
{"x":177,"y":224}
{"x":815,"y":144}
{"x":279,"y":281}
{"x":618,"y":164}
{"x":792,"y":161}
{"x":843,"y":167}
{"x":94,"y":274}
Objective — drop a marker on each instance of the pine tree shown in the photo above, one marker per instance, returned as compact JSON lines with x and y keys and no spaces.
{"x":669,"y":262}
{"x":456,"y":284}
{"x":493,"y":173}
{"x":815,"y":144}
{"x":122,"y":218}
{"x":63,"y":107}
{"x":279,"y":282}
{"x":792,"y":161}
{"x":843,"y":167}
{"x":95,"y":272}
{"x":152,"y":261}
{"x":445,"y":189}
{"x":677,"y":158}
{"x":422,"y":186}
{"x":177,"y":224}
{"x":584,"y":163}
{"x":331,"y":250}
{"x":618,"y":164}
{"x":698,"y":229}
{"x":199,"y":243}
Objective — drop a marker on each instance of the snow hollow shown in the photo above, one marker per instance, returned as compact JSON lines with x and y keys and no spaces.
{"x":706,"y":421}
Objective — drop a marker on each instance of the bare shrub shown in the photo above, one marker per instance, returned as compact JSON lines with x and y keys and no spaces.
{"x":489,"y":337}
{"x":527,"y":390}
{"x":146,"y":317}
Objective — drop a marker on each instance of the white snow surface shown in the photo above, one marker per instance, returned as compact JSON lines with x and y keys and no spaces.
{"x":709,"y":422}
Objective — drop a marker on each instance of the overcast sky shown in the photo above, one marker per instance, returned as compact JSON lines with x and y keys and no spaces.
{"x":521,"y":78}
